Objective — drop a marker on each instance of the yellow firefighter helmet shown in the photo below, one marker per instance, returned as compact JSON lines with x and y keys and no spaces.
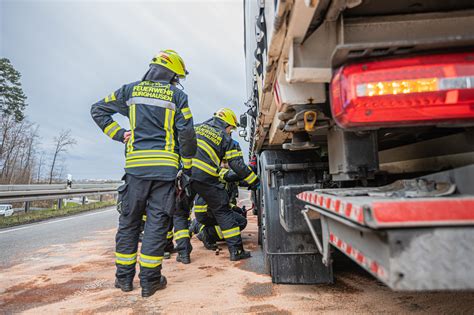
{"x":228,"y":116}
{"x":171,"y":60}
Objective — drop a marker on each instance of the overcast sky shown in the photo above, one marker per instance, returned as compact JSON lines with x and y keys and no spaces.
{"x":71,"y":53}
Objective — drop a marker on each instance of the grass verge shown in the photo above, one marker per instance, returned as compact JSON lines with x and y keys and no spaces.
{"x":40,"y":215}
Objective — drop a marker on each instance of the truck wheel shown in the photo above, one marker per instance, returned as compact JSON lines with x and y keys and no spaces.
{"x":292,"y":257}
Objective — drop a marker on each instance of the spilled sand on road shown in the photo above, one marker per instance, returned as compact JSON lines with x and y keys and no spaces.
{"x":79,"y":279}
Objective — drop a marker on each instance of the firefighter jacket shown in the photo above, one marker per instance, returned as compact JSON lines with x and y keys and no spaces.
{"x":213,"y":145}
{"x":161,"y":124}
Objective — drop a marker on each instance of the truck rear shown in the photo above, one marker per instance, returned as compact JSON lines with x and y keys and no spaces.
{"x":360,"y":116}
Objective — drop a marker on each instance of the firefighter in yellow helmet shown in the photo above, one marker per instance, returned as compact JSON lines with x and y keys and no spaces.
{"x":215,"y":144}
{"x":161,"y":140}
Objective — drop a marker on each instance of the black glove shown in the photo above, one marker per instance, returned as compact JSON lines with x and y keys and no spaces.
{"x":244,"y":211}
{"x":239,"y":210}
{"x":186,"y":185}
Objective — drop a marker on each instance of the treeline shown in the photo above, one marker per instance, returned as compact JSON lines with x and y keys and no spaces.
{"x":22,"y":159}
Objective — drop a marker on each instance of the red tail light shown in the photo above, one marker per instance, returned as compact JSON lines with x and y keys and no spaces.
{"x":410,"y":91}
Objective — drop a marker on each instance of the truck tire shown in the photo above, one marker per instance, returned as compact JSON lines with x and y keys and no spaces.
{"x":256,"y":211}
{"x":291,"y":257}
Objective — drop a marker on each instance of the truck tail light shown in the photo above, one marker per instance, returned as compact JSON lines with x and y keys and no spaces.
{"x":410,"y":91}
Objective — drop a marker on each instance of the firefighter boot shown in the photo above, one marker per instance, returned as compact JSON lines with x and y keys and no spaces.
{"x":124,"y":284}
{"x":183,"y":258}
{"x":238,"y":254}
{"x":150,"y":288}
{"x":203,"y":236}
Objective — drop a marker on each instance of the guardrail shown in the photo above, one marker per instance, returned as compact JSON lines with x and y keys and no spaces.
{"x":29,"y":193}
{"x":55,"y":186}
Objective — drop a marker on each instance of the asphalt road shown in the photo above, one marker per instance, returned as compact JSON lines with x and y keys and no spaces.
{"x":21,"y":241}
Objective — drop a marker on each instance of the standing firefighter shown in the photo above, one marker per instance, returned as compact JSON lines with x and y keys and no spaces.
{"x":214,"y":144}
{"x":161,"y":137}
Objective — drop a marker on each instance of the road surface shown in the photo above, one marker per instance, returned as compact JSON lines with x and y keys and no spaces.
{"x":67,"y":266}
{"x":18,"y":241}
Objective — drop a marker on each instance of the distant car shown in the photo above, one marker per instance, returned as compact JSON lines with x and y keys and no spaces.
{"x":6,"y":210}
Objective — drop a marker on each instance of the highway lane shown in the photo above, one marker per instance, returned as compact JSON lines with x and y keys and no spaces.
{"x":19,"y":242}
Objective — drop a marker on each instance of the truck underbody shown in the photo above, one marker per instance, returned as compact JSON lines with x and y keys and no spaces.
{"x":366,"y":103}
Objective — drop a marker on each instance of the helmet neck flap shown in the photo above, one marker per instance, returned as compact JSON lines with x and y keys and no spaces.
{"x":159,"y":73}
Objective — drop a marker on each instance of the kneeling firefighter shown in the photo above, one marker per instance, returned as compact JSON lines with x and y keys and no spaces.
{"x":214,"y":144}
{"x":161,"y":137}
{"x":205,"y":225}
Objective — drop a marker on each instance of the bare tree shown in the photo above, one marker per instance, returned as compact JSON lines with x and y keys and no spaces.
{"x":19,"y":141}
{"x":29,"y":156}
{"x":40,"y":167}
{"x":61,"y":168}
{"x":62,"y":143}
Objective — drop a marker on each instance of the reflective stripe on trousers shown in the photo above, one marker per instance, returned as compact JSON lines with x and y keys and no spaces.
{"x":219,"y":232}
{"x":181,"y":234}
{"x":150,"y":261}
{"x":125,"y":259}
{"x":231,"y":232}
{"x":200,"y":208}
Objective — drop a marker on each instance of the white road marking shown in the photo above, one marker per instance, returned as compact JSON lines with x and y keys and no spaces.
{"x":55,"y":221}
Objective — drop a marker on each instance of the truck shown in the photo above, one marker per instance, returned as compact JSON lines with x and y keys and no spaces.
{"x":360,"y":117}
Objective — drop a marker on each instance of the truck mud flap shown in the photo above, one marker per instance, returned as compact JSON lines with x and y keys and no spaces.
{"x":291,"y":257}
